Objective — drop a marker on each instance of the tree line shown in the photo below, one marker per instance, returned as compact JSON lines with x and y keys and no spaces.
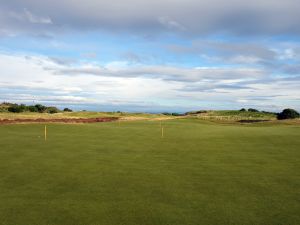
{"x":39,"y":108}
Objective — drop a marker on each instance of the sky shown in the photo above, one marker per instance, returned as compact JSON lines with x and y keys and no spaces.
{"x":151,"y":56}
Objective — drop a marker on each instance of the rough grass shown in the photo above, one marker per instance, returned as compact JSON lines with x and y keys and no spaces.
{"x":81,"y":114}
{"x":199,"y":173}
{"x":234,"y":115}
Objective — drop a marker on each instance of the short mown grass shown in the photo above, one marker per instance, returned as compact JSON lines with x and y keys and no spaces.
{"x":126,"y":174}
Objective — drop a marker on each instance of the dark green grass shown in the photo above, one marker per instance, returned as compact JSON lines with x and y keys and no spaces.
{"x":106,"y":174}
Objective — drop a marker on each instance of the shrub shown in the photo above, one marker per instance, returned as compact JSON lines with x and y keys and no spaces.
{"x":32,"y":108}
{"x":171,"y":114}
{"x":40,"y":108}
{"x":52,"y":110}
{"x":68,"y":110}
{"x":195,"y":112}
{"x":288,"y":114}
{"x":252,"y":110}
{"x":17,"y":108}
{"x":243,"y":110}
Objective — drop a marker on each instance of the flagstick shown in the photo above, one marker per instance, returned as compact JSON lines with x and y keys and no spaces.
{"x":45,"y":132}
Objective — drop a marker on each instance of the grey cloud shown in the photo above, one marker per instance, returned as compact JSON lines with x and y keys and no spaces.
{"x":165,"y":72}
{"x":230,"y":52}
{"x":254,"y":85}
{"x":291,"y":78}
{"x":291,"y":69}
{"x":133,"y":57}
{"x":171,"y":24}
{"x":262,"y":98}
{"x":190,"y":17}
{"x":288,"y":81}
{"x":36,"y":19}
{"x":211,"y":86}
{"x":83,"y":83}
{"x":23,"y":21}
{"x":26,"y":16}
{"x":90,"y":55}
{"x":62,"y":60}
{"x":58,"y":99}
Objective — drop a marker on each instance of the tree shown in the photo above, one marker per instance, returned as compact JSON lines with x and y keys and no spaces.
{"x":288,"y":114}
{"x":68,"y":110}
{"x":252,"y":110}
{"x":52,"y":110}
{"x":32,"y":108}
{"x":17,"y":108}
{"x":41,"y":108}
{"x":243,"y":110}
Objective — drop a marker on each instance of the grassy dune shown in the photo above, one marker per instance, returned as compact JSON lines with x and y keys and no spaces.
{"x":234,"y":115}
{"x":106,"y":173}
{"x":219,"y":116}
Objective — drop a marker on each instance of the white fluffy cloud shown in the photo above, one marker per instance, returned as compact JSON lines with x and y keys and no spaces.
{"x":38,"y":78}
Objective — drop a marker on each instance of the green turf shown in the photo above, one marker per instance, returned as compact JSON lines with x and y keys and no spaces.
{"x":111,"y":174}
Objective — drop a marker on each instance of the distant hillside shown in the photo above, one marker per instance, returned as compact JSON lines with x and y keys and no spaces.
{"x":232,"y":115}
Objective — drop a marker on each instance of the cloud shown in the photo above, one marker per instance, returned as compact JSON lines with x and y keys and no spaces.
{"x":229,"y":52}
{"x":170,"y":24}
{"x":62,"y":60}
{"x":191,"y":52}
{"x":36,"y":19}
{"x":119,"y":84}
{"x":133,"y":57}
{"x":26,"y":16}
{"x":291,"y":69}
{"x":89,"y":55}
{"x":190,"y":17}
{"x":171,"y":73}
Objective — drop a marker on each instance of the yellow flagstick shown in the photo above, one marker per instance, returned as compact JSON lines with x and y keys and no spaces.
{"x":45,"y":132}
{"x":162,"y":132}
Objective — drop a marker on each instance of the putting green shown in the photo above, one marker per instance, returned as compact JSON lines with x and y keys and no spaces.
{"x":126,"y":174}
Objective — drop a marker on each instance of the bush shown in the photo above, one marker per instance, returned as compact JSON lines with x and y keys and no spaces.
{"x":17,"y":108}
{"x":40,"y":108}
{"x":243,"y":110}
{"x":172,"y":114}
{"x":68,"y":110}
{"x":176,"y":114}
{"x":196,"y":112}
{"x":52,"y":110}
{"x":288,"y":114}
{"x":32,"y":108}
{"x":252,"y":110}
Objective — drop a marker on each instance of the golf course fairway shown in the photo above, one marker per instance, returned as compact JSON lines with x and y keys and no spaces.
{"x":128,"y":174}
